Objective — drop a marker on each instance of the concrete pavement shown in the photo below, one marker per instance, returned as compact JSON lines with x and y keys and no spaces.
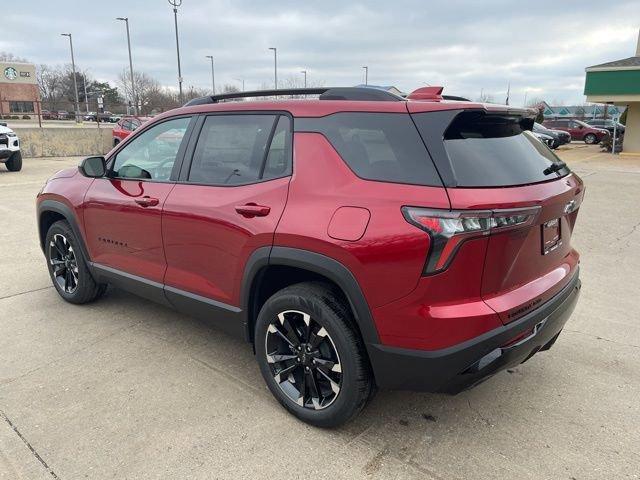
{"x":124,"y":388}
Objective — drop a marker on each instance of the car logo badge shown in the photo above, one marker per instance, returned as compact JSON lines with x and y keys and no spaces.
{"x":570,"y":207}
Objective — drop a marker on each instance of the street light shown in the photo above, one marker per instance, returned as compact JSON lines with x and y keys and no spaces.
{"x":241,"y":80}
{"x":176,"y":4}
{"x":213,"y":78}
{"x":134,"y":100}
{"x":366,"y":75}
{"x":304,"y":72}
{"x":73,"y":66}
{"x":275,"y":66}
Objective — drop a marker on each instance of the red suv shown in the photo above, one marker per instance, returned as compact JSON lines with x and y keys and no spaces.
{"x":578,"y":130}
{"x":123,"y":127}
{"x":358,"y":241}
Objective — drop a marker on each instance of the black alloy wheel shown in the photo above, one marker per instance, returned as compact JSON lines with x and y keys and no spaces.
{"x":303,"y":360}
{"x":64,"y":263}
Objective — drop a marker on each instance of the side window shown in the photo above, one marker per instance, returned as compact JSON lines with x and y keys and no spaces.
{"x":278,"y":162}
{"x":152,"y":154}
{"x":231,"y":149}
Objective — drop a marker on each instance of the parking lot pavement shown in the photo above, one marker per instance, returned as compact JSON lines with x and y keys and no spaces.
{"x":124,"y":388}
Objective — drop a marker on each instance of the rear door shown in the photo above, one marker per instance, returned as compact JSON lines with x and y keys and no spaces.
{"x":227,"y":204}
{"x":492,"y":163}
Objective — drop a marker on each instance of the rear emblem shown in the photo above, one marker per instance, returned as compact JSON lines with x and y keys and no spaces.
{"x":570,"y":207}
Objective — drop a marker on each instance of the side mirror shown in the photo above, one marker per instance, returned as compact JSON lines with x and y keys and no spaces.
{"x":93,"y":167}
{"x":580,"y":127}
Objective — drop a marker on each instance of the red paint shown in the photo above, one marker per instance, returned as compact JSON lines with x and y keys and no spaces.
{"x":126,"y":125}
{"x":198,"y":238}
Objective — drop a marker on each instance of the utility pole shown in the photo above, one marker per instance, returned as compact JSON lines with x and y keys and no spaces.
{"x":213,"y":78}
{"x":275,"y":66}
{"x":176,"y":4}
{"x":133,"y":88}
{"x":75,"y":81}
{"x":304,"y":72}
{"x":366,"y":75}
{"x":241,"y":80}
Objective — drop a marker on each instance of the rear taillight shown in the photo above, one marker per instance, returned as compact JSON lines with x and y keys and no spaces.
{"x":449,"y":229}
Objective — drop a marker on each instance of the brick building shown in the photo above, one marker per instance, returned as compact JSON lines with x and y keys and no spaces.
{"x":19,"y":93}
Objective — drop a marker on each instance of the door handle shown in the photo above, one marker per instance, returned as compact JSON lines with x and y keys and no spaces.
{"x":251,"y":210}
{"x":147,"y":201}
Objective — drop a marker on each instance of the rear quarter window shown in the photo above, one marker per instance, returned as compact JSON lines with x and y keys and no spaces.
{"x":383,"y":147}
{"x":494,"y":150}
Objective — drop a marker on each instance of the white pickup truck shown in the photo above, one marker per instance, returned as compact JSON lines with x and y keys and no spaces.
{"x":10,"y":149}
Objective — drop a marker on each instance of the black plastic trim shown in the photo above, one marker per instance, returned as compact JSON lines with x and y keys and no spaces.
{"x":454,"y":369}
{"x":67,"y":213}
{"x":140,"y":286}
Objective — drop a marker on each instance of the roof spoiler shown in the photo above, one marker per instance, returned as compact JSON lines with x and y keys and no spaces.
{"x":433,"y":93}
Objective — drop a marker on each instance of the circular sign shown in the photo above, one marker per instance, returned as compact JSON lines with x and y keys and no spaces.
{"x":11,"y":73}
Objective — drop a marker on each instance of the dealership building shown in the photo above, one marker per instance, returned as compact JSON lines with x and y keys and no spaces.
{"x":618,"y":83}
{"x":19,"y":93}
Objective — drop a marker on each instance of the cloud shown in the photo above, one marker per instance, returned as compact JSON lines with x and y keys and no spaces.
{"x":466,"y":46}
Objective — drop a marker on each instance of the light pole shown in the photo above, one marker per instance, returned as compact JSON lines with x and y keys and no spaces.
{"x":84,"y":84}
{"x":176,"y":4}
{"x":275,"y":66}
{"x":73,"y":67}
{"x":304,"y":72}
{"x":134,"y":100}
{"x":366,"y":75}
{"x":241,"y":80}
{"x":213,"y":78}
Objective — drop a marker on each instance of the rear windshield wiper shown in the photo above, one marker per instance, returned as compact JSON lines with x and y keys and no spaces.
{"x":554,"y":167}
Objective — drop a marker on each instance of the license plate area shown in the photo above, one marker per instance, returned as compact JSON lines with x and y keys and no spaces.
{"x":551,"y":237}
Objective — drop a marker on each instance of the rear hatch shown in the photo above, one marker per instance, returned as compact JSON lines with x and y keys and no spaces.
{"x":515,"y":192}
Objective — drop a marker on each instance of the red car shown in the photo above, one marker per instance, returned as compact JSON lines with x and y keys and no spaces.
{"x":578,"y":130}
{"x":123,"y":127}
{"x":358,"y":241}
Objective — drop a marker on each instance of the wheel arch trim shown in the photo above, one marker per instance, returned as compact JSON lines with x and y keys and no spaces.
{"x":316,"y":263}
{"x":69,"y":216}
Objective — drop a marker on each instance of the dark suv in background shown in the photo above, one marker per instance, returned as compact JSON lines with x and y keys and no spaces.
{"x":560,"y":137}
{"x":609,"y":125}
{"x":359,"y":240}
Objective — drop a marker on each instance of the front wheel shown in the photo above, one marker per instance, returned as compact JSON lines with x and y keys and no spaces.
{"x":68,"y":267}
{"x":310,"y":355}
{"x":14,"y":163}
{"x":590,"y":139}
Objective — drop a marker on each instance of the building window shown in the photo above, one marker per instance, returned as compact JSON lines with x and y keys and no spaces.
{"x":21,"y":107}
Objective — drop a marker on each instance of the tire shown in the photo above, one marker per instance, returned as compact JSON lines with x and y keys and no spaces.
{"x":345,"y":368}
{"x":71,"y":278}
{"x":590,"y":139}
{"x":14,"y":163}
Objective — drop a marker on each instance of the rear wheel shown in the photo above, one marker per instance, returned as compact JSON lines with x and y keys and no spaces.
{"x":310,"y":356}
{"x":14,"y":163}
{"x":590,"y":138}
{"x":67,"y":266}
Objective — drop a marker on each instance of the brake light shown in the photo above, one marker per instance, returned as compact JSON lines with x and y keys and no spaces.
{"x":449,"y":229}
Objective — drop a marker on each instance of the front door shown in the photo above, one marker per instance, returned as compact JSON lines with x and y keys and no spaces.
{"x":227,"y":205}
{"x":122,"y":212}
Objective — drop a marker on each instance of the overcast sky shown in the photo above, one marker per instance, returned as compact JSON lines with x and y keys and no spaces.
{"x":541,"y":47}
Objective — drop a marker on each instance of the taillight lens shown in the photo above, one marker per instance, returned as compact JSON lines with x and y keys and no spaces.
{"x":448,"y":229}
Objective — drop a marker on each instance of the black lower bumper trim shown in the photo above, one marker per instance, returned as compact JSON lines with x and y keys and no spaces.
{"x":462,"y":366}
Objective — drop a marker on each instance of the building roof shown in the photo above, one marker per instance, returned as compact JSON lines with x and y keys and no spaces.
{"x":631,"y":62}
{"x":580,"y":110}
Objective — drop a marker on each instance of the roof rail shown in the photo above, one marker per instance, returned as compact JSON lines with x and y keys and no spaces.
{"x":325,"y":93}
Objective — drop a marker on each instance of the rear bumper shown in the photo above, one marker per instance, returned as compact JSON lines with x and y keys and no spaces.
{"x":462,"y":366}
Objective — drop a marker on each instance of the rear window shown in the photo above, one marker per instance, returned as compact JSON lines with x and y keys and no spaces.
{"x":496,"y":150}
{"x":377,"y":146}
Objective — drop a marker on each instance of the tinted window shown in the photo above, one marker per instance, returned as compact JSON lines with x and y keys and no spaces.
{"x":231,"y":149}
{"x":278,"y":162}
{"x":378,"y":146}
{"x":151,"y":154}
{"x":495,"y":150}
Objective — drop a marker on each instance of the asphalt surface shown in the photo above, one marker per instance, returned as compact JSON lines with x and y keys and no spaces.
{"x":124,"y":388}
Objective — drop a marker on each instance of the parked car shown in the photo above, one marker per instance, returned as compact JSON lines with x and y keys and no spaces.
{"x":362,"y":261}
{"x":546,"y":139}
{"x":102,"y":116}
{"x":125,"y":126}
{"x":578,"y":130}
{"x":10,"y":153}
{"x":559,"y":137}
{"x":47,"y":115}
{"x":63,"y":115}
{"x":608,"y":125}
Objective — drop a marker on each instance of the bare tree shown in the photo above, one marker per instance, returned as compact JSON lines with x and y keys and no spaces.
{"x":10,"y":57}
{"x":51,"y":84}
